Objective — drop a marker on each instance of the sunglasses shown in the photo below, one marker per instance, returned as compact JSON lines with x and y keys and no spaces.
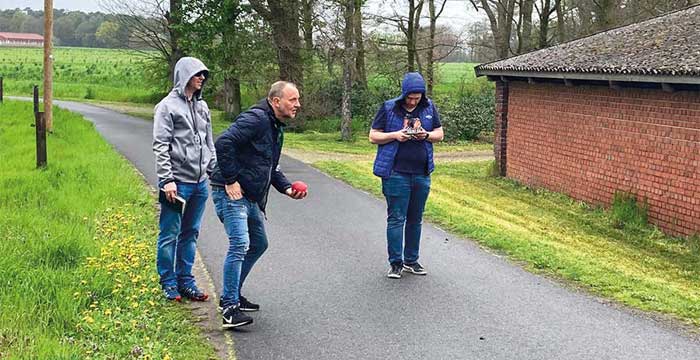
{"x":201,"y":74}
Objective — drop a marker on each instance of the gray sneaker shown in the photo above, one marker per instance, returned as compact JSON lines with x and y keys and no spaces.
{"x":395,"y":271}
{"x":415,"y":268}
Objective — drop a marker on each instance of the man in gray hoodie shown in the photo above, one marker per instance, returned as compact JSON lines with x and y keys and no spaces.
{"x":185,"y":155}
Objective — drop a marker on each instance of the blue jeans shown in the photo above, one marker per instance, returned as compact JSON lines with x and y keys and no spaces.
{"x":243,"y":222}
{"x":405,"y":195}
{"x":177,"y":240}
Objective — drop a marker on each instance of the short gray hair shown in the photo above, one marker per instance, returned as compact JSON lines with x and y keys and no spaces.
{"x":277,"y":88}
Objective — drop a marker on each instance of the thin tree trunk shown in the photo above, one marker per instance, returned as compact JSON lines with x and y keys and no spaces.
{"x":430,"y":73}
{"x":361,"y":76}
{"x":348,"y":63}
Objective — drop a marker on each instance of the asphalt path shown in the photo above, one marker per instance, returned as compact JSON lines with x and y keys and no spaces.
{"x":324,"y":293}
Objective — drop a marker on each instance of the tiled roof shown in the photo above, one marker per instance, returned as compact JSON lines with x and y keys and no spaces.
{"x":20,"y":36}
{"x":668,"y":45}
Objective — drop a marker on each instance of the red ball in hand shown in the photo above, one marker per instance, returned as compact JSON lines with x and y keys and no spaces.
{"x":299,"y":186}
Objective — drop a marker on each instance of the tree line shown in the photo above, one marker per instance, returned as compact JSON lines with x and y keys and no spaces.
{"x":71,"y":28}
{"x":346,"y":58}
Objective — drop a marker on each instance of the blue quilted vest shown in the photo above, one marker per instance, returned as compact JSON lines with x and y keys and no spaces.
{"x":384,"y":162}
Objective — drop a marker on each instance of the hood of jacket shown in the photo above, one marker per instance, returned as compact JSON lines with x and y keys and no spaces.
{"x":185,"y":69}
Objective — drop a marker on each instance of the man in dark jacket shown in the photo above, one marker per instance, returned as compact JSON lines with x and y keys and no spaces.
{"x":184,"y":150}
{"x":248,"y":155}
{"x":405,"y":129}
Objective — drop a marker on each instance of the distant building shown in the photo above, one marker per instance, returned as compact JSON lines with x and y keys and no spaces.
{"x":618,"y":111}
{"x":20,"y":39}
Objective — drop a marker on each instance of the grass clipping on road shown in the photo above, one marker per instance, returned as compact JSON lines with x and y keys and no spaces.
{"x":638,"y":266}
{"x":78,"y":245}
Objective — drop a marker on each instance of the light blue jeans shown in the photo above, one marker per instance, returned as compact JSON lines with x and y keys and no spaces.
{"x":406,"y":195}
{"x":177,"y":240}
{"x":243,"y":222}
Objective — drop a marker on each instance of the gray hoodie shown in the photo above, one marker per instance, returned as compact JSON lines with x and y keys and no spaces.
{"x":182,"y":137}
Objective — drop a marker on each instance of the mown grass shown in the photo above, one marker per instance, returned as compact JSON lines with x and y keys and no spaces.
{"x":77,"y":272}
{"x":637,"y":265}
{"x":360,"y":145}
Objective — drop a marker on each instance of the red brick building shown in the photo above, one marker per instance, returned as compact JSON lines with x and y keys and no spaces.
{"x":618,"y":111}
{"x":20,"y":39}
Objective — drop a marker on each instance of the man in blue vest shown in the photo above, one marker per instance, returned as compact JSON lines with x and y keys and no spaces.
{"x":405,"y":129}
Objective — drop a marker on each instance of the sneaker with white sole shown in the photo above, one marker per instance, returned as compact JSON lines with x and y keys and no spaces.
{"x":395,"y":271}
{"x":233,"y":317}
{"x":415,"y":268}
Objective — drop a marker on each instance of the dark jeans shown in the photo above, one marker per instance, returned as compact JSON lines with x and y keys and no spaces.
{"x":405,"y":195}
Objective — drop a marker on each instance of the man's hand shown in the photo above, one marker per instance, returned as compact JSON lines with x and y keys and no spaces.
{"x":234,"y":191}
{"x":297,"y":195}
{"x":401,"y":136}
{"x":170,"y":190}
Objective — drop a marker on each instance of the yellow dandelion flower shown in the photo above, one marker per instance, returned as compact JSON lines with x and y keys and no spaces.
{"x":89,"y":319}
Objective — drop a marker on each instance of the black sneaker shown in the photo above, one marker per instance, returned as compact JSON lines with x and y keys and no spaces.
{"x":395,"y":271}
{"x":193,"y":293}
{"x":233,"y":317}
{"x":415,"y":268}
{"x":247,"y":305}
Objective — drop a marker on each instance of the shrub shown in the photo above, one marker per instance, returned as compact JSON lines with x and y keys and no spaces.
{"x":467,"y":116}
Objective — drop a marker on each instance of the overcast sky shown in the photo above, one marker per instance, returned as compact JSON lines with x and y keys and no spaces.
{"x":458,"y":13}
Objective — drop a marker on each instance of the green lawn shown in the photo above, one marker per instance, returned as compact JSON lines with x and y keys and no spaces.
{"x":553,"y":234}
{"x":78,"y":265}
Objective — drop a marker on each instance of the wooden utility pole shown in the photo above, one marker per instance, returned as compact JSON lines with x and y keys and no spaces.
{"x":40,"y":125}
{"x":48,"y":63}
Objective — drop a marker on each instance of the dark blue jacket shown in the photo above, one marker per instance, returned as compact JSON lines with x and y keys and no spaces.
{"x":384,"y":161}
{"x":249,"y":153}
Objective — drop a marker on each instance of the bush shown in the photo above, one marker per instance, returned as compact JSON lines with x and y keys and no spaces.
{"x":467,"y":116}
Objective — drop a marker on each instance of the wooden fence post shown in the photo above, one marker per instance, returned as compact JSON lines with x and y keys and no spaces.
{"x":40,"y":125}
{"x":40,"y":139}
{"x":0,"y":89}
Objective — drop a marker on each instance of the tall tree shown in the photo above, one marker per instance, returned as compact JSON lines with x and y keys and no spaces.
{"x":360,"y":67}
{"x":525,"y":26}
{"x":283,"y":18}
{"x":545,"y":11}
{"x":434,"y":15}
{"x":152,"y":25}
{"x":348,"y":64}
{"x":500,"y":14}
{"x":307,"y":24}
{"x":411,"y":31}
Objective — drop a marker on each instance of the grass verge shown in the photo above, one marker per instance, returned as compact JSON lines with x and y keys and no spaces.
{"x":77,"y":271}
{"x":638,"y":266}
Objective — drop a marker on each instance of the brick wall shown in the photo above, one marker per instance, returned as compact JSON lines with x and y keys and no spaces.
{"x":591,"y":141}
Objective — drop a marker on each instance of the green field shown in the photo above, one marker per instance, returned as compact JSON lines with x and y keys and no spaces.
{"x":79,"y":73}
{"x":78,"y":277}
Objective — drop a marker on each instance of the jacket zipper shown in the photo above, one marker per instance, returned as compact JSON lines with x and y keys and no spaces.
{"x":196,"y":133}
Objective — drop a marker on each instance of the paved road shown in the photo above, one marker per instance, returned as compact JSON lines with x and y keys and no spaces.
{"x":324,"y":294}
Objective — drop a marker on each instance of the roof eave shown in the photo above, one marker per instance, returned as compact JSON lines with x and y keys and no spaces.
{"x":662,"y":79}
